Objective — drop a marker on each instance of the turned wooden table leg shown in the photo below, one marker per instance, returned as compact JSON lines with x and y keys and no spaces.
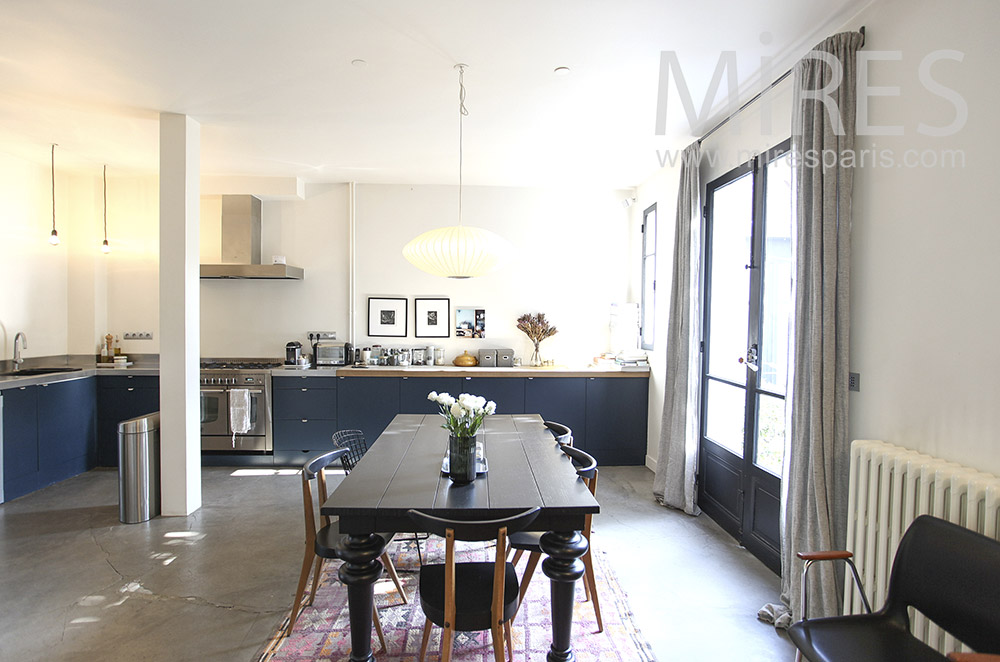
{"x":563,"y":567}
{"x":359,"y":571}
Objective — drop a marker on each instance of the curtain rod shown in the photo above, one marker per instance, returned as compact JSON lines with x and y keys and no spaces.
{"x":757,"y":96}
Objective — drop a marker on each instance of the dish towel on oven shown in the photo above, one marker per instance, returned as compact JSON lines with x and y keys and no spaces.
{"x":239,"y":412}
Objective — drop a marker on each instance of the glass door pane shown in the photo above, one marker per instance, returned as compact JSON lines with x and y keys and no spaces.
{"x":729,"y":305}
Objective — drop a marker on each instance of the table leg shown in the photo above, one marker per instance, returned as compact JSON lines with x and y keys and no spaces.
{"x":563,"y":567}
{"x":359,"y":571}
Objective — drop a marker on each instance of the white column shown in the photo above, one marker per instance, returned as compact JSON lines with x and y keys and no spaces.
{"x":180,"y":343}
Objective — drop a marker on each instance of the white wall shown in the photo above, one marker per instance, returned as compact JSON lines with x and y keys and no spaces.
{"x":571,"y":261}
{"x":925,"y":273}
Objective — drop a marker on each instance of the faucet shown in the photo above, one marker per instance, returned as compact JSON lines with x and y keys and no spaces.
{"x":17,"y":351}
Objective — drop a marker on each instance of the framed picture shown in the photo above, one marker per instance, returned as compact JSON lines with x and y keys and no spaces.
{"x":386,"y":317}
{"x":470,"y":323}
{"x":433,"y":317}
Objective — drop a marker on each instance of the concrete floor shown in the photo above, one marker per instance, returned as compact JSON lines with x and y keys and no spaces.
{"x":78,"y":585}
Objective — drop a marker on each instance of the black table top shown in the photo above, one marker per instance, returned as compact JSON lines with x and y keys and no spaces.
{"x":402,"y":470}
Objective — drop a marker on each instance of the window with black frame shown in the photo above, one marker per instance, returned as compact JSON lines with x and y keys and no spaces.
{"x":648,"y":304}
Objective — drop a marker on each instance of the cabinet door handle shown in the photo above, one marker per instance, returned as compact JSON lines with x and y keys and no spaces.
{"x":305,"y":420}
{"x":130,"y":388}
{"x":304,"y":390}
{"x":530,"y":378}
{"x":468,"y":378}
{"x":405,"y":377}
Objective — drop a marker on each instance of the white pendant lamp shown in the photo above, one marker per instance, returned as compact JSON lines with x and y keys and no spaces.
{"x":457,"y":251}
{"x":54,"y":237}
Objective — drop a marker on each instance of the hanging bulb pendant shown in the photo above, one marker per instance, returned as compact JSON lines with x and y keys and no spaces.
{"x":105,"y":248}
{"x":54,"y":237}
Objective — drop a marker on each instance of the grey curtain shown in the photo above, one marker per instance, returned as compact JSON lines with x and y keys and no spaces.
{"x":677,"y":461}
{"x":817,"y":448}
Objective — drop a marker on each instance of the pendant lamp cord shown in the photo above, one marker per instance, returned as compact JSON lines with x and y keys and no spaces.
{"x":462,"y":112}
{"x":53,"y":187}
{"x":105,"y":204}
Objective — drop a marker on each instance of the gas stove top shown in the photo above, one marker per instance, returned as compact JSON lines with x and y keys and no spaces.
{"x":240,"y":364}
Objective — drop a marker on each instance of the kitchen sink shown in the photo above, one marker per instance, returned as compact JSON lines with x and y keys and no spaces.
{"x":34,"y":372}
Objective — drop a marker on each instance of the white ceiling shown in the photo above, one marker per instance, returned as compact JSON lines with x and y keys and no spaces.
{"x":273,"y":86}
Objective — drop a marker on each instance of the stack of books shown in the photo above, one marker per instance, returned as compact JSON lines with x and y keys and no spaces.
{"x":632,"y":361}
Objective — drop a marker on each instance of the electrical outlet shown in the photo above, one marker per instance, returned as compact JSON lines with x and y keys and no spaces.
{"x":324,"y":335}
{"x":854,"y":381}
{"x":138,"y":335}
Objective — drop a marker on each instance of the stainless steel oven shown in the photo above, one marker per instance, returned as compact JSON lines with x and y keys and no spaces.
{"x":218,"y":380}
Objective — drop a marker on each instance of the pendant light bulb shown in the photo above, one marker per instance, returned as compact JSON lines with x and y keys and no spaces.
{"x":105,"y":248}
{"x":54,"y":238}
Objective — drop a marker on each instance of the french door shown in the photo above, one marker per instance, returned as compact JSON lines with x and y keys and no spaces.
{"x":748,"y":305}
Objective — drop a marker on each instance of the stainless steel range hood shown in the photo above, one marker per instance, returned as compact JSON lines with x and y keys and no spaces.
{"x":241,"y":244}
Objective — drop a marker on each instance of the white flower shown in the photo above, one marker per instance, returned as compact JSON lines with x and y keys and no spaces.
{"x":432,"y":396}
{"x":456,"y":410}
{"x":491,"y":407}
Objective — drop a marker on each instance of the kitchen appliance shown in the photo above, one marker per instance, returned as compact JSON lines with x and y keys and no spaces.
{"x":293,"y":352}
{"x":327,"y":352}
{"x":218,"y":378}
{"x":240,"y":241}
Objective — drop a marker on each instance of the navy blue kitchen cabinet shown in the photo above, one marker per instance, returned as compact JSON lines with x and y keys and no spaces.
{"x":305,"y":417}
{"x":50,"y":434}
{"x":559,"y":399}
{"x":120,"y":398}
{"x":507,"y":392}
{"x":367,"y":403}
{"x":20,"y":441}
{"x":413,"y":393}
{"x":67,"y":429}
{"x":616,"y":419}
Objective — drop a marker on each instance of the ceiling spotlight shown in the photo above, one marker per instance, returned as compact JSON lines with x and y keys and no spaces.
{"x":561,"y":71}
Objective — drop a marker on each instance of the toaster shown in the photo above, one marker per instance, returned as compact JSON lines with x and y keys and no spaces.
{"x":332,"y":353}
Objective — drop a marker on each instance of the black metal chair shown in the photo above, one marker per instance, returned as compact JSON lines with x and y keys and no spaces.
{"x":471,"y":595}
{"x":327,"y":541}
{"x":562,"y":433}
{"x":947,"y":572}
{"x":530,"y":541}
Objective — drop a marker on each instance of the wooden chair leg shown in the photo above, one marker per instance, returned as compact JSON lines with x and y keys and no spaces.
{"x":517,"y":557}
{"x":447,"y":640}
{"x":303,"y":578}
{"x":378,"y":630}
{"x":590,"y":580}
{"x":510,"y":643}
{"x":425,"y":639}
{"x":391,"y":569}
{"x":497,"y":634}
{"x":529,"y":570}
{"x":316,"y":573}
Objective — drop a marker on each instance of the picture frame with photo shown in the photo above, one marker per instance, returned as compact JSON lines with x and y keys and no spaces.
{"x":432,"y":317}
{"x":470,"y":322}
{"x":387,"y":317}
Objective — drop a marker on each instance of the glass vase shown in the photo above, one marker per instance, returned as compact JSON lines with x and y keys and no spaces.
{"x":461,"y":459}
{"x":536,"y":357}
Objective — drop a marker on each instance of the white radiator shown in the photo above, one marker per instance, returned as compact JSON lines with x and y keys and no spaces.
{"x":890,"y":486}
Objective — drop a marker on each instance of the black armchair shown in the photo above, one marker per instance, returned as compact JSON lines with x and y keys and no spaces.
{"x":947,"y":572}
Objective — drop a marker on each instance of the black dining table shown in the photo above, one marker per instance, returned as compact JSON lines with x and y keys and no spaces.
{"x":403,"y":469}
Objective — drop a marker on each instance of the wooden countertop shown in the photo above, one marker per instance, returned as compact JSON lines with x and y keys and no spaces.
{"x":455,"y":371}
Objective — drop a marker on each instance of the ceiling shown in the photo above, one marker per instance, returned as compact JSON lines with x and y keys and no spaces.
{"x":276,"y":91}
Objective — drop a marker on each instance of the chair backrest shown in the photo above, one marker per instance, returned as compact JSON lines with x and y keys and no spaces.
{"x":315,"y":470}
{"x":473,"y":530}
{"x":562,"y":433}
{"x":354,"y":442}
{"x":952,"y":575}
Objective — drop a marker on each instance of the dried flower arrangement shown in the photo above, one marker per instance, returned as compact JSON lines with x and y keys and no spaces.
{"x":537,"y":328}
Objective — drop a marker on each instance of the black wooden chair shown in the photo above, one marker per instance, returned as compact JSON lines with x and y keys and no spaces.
{"x":947,"y":572}
{"x":327,"y":541}
{"x":470,"y":596}
{"x":562,"y":433}
{"x":530,"y":541}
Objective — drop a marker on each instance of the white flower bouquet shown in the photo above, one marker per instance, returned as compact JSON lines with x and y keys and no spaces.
{"x":463,"y":416}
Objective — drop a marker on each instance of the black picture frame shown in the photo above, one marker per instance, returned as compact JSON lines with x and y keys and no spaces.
{"x":387,"y":317}
{"x":431,"y":317}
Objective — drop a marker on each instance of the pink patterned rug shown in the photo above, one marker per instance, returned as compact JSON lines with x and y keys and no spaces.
{"x":323,"y":630}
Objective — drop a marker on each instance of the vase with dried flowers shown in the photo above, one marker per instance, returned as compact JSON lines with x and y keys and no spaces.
{"x":537,"y":328}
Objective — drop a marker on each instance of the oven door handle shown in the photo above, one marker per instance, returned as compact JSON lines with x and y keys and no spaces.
{"x":213,"y":390}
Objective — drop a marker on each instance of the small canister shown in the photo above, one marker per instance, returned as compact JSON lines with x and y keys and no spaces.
{"x":366,"y":356}
{"x":418,"y":357}
{"x":439,"y":356}
{"x":429,"y":356}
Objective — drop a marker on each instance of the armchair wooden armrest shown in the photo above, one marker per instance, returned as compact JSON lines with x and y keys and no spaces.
{"x":825,"y":556}
{"x":829,"y":555}
{"x":973,"y":657}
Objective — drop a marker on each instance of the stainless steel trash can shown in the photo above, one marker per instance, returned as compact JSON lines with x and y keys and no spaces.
{"x":139,"y":468}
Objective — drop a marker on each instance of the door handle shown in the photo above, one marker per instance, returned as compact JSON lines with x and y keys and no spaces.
{"x":751,"y":357}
